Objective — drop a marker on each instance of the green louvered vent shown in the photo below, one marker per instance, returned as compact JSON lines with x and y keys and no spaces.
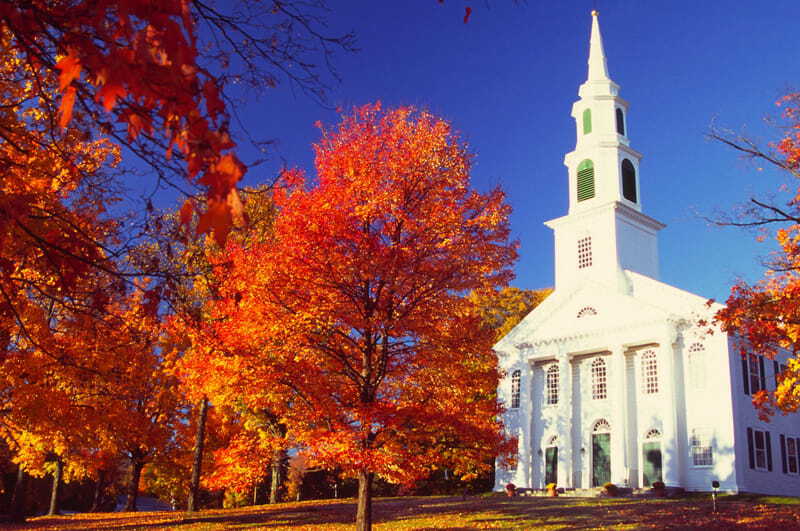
{"x":585,"y":180}
{"x":587,"y":121}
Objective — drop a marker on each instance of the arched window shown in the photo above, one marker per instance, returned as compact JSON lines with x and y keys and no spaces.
{"x":652,"y":434}
{"x":587,"y":312}
{"x":628,"y":181}
{"x":620,"y":122}
{"x":587,"y":121}
{"x":649,"y":372}
{"x":599,"y":389}
{"x":585,"y":252}
{"x":697,"y":366}
{"x":515,"y":377}
{"x":601,"y":426}
{"x":553,"y":441}
{"x":585,"y":180}
{"x":551,"y":385}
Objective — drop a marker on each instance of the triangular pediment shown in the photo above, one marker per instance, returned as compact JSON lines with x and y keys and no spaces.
{"x":594,"y":307}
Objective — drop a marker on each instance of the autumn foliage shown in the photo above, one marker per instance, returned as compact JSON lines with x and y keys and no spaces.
{"x":766,"y":316}
{"x":351,"y":322}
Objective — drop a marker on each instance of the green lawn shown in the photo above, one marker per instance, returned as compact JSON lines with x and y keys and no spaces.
{"x":454,"y":513}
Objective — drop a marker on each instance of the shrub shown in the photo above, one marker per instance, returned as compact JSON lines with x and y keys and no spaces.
{"x":610,"y":489}
{"x":511,"y":489}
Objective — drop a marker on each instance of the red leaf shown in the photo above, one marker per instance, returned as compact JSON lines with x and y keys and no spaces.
{"x":186,"y":211}
{"x":109,"y":94}
{"x":467,"y":13}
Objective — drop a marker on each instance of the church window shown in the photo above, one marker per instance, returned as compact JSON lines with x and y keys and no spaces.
{"x":652,"y":435}
{"x":759,"y":449}
{"x":790,"y":447}
{"x":588,"y":311}
{"x":697,"y":365}
{"x":585,"y":180}
{"x":628,"y":181}
{"x":700,"y":447}
{"x":599,"y":389}
{"x":515,"y":379}
{"x":753,"y":373}
{"x":551,"y":385}
{"x":620,"y":122}
{"x":587,"y":121}
{"x":601,"y":426}
{"x":585,"y":252}
{"x":650,"y":372}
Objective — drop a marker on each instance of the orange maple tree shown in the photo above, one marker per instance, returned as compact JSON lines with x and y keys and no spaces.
{"x":352,"y":321}
{"x":765,"y":316}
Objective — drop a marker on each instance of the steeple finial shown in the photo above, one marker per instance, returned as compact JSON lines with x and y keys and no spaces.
{"x":598,"y":71}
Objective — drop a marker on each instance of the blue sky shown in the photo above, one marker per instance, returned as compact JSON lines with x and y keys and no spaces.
{"x":508,"y":78}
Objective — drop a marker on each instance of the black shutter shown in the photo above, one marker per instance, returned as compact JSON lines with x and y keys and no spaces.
{"x":746,"y":376}
{"x":769,"y":451}
{"x":761,"y":370}
{"x":777,"y":370}
{"x":783,"y":453}
{"x":750,"y":454}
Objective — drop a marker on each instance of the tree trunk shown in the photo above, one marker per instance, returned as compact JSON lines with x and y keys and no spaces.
{"x":199,"y":442}
{"x":277,"y":461}
{"x":364,"y":514}
{"x":255,"y":494}
{"x":133,"y":484}
{"x":99,"y":487}
{"x":54,"y":509}
{"x":18,"y":497}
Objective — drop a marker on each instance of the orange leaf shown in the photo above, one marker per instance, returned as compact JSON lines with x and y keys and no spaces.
{"x":67,"y":102}
{"x":216,"y":218}
{"x":109,"y":94}
{"x":70,"y":67}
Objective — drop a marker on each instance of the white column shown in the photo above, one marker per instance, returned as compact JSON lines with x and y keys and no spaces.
{"x":672,"y":446}
{"x":619,"y":428}
{"x":565,"y":423}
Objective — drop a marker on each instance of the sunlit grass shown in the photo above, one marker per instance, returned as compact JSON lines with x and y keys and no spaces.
{"x":455,"y":513}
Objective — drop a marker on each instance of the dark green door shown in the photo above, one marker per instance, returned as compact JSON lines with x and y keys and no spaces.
{"x":651,"y":471}
{"x":551,"y":465}
{"x":601,"y":459}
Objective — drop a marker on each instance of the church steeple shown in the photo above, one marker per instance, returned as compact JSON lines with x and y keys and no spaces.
{"x":598,"y":70}
{"x":598,"y":171}
{"x":605,"y":231}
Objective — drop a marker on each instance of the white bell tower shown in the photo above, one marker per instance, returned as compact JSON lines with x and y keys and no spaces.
{"x":605,"y":230}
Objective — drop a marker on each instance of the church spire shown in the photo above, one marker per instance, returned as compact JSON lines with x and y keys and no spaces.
{"x":598,"y":70}
{"x":604,"y":231}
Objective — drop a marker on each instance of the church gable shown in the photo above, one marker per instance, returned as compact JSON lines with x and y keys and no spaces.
{"x":592,"y":308}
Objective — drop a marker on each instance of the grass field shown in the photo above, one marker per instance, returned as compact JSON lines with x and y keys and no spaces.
{"x":455,"y":513}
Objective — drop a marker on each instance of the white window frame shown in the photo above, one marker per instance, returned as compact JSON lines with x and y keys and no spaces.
{"x":697,"y":366}
{"x":599,"y":379}
{"x":701,"y":448}
{"x":754,"y":371}
{"x":516,"y":378}
{"x":649,"y":361}
{"x":585,"y":252}
{"x":551,"y":385}
{"x":790,"y":456}
{"x":760,"y":452}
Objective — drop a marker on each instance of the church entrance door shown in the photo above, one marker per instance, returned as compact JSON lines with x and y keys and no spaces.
{"x":551,"y":465}
{"x":601,"y":459}
{"x":651,"y":470}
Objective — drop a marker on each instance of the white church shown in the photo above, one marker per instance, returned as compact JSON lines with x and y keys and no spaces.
{"x":612,"y":378}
